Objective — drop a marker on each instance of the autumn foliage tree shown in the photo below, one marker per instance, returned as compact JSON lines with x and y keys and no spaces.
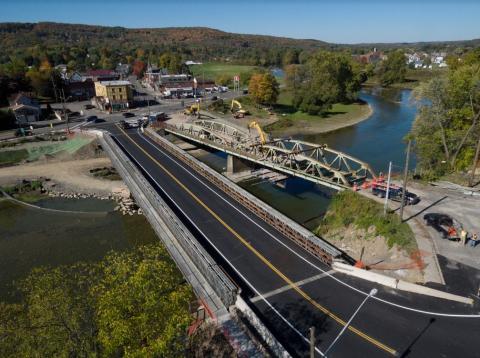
{"x":263,"y":88}
{"x":138,"y":68}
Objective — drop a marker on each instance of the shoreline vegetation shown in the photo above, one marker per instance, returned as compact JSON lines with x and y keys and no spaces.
{"x":284,"y":120}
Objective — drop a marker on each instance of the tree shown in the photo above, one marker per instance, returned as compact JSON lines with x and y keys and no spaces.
{"x":263,"y":88}
{"x":447,"y":126}
{"x":56,"y":317}
{"x":143,"y":304}
{"x":327,"y":78}
{"x":138,"y":68}
{"x":393,"y":69}
{"x":131,"y":304}
{"x":223,"y":80}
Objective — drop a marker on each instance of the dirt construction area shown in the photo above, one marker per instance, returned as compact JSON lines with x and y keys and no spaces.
{"x":67,"y":164}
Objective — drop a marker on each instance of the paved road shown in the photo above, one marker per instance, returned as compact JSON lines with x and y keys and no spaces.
{"x":167,"y":106}
{"x":290,"y":289}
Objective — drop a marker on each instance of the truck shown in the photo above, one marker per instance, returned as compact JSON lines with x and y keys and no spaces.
{"x":394,"y":193}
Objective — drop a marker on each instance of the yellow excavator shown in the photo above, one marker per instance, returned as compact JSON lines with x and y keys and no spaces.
{"x":261,"y":133}
{"x":193,"y":110}
{"x":237,"y":109}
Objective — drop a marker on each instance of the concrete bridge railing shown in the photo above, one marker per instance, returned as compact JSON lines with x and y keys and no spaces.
{"x":150,"y":200}
{"x":295,"y":232}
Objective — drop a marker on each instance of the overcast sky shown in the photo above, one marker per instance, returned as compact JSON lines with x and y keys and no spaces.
{"x":339,"y":21}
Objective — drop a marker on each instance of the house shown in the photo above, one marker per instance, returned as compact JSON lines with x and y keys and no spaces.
{"x":25,"y":113}
{"x":78,"y":87}
{"x":371,"y":57}
{"x":101,"y":75}
{"x":178,"y":89}
{"x":25,"y":108}
{"x":113,"y":95}
{"x":123,"y":69}
{"x":22,"y":98}
{"x":203,"y":85}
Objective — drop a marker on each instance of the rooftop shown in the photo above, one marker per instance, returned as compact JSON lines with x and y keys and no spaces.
{"x":115,"y":83}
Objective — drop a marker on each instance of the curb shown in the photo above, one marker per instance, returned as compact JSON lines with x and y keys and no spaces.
{"x":398,"y":284}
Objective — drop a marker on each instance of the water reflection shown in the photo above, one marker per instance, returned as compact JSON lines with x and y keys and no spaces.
{"x":380,"y":138}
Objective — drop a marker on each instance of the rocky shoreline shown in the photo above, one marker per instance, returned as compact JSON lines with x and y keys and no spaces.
{"x":125,"y":202}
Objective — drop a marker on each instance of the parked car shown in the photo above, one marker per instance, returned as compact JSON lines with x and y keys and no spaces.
{"x":214,"y":98}
{"x":99,"y":120}
{"x":445,"y":225}
{"x":91,"y":118}
{"x":128,"y":114}
{"x":88,"y":106}
{"x":131,"y":123}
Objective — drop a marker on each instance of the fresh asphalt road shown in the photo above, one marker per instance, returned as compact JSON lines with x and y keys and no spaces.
{"x":290,"y":289}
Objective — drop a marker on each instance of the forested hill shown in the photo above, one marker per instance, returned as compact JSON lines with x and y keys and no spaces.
{"x":202,"y":42}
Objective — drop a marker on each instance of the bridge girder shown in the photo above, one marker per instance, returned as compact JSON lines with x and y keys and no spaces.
{"x":317,"y":161}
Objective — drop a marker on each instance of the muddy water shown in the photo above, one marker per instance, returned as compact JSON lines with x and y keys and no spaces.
{"x":30,"y":237}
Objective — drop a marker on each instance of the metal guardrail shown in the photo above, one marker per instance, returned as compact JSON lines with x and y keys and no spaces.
{"x":219,"y":281}
{"x":311,"y":243}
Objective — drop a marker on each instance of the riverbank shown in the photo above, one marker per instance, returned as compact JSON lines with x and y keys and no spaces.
{"x":307,"y":125}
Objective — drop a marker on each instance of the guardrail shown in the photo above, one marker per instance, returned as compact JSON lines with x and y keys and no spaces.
{"x":222,"y":285}
{"x":301,"y":236}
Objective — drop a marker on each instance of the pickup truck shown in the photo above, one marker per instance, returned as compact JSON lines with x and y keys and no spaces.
{"x":395,"y":193}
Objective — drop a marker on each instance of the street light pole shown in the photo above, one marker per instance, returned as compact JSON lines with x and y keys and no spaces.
{"x":405,"y":177}
{"x":312,"y":342}
{"x":373,"y":292}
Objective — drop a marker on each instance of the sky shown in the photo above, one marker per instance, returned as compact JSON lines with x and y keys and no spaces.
{"x":336,"y":21}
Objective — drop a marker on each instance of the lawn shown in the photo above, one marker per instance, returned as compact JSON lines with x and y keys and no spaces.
{"x":212,"y":70}
{"x":289,"y":116}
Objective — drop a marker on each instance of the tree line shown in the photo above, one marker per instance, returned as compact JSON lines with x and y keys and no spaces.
{"x":130,"y":304}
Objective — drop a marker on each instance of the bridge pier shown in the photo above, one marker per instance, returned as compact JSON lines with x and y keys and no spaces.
{"x":237,"y":165}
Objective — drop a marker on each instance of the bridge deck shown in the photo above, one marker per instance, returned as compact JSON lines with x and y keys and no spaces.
{"x":265,"y":263}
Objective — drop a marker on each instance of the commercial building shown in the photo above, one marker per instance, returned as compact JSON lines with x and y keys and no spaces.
{"x":113,"y":95}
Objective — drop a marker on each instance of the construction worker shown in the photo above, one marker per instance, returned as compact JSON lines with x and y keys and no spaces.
{"x":473,"y":241}
{"x":463,"y":236}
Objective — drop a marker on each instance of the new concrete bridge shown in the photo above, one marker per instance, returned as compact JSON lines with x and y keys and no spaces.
{"x":278,"y":273}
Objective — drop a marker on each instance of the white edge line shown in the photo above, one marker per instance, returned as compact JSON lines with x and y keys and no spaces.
{"x":145,"y":138}
{"x":234,"y":268}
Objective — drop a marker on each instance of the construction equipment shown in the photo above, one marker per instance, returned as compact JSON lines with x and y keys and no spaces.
{"x":237,"y":109}
{"x":193,"y":110}
{"x":261,"y":133}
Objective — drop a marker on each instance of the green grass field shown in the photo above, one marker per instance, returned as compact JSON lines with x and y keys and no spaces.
{"x":289,"y":115}
{"x":212,"y":70}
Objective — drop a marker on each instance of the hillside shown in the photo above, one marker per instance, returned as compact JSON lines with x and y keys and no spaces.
{"x":18,"y":36}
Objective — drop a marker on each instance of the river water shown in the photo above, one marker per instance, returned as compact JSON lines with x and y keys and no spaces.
{"x":31,"y":237}
{"x":377,"y":140}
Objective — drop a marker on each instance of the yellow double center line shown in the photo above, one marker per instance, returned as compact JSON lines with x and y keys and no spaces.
{"x":263,"y":258}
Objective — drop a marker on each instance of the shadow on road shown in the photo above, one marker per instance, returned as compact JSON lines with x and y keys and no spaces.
{"x":426,"y":208}
{"x":408,"y":350}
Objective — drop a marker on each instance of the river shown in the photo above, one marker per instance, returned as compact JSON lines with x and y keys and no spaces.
{"x":31,"y":237}
{"x":377,"y":140}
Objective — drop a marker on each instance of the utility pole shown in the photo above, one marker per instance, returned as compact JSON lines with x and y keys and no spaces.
{"x":388,"y":189}
{"x":54,"y":88}
{"x":373,"y":292}
{"x":312,"y":342}
{"x":65,"y":110}
{"x":405,"y":177}
{"x":475,"y":161}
